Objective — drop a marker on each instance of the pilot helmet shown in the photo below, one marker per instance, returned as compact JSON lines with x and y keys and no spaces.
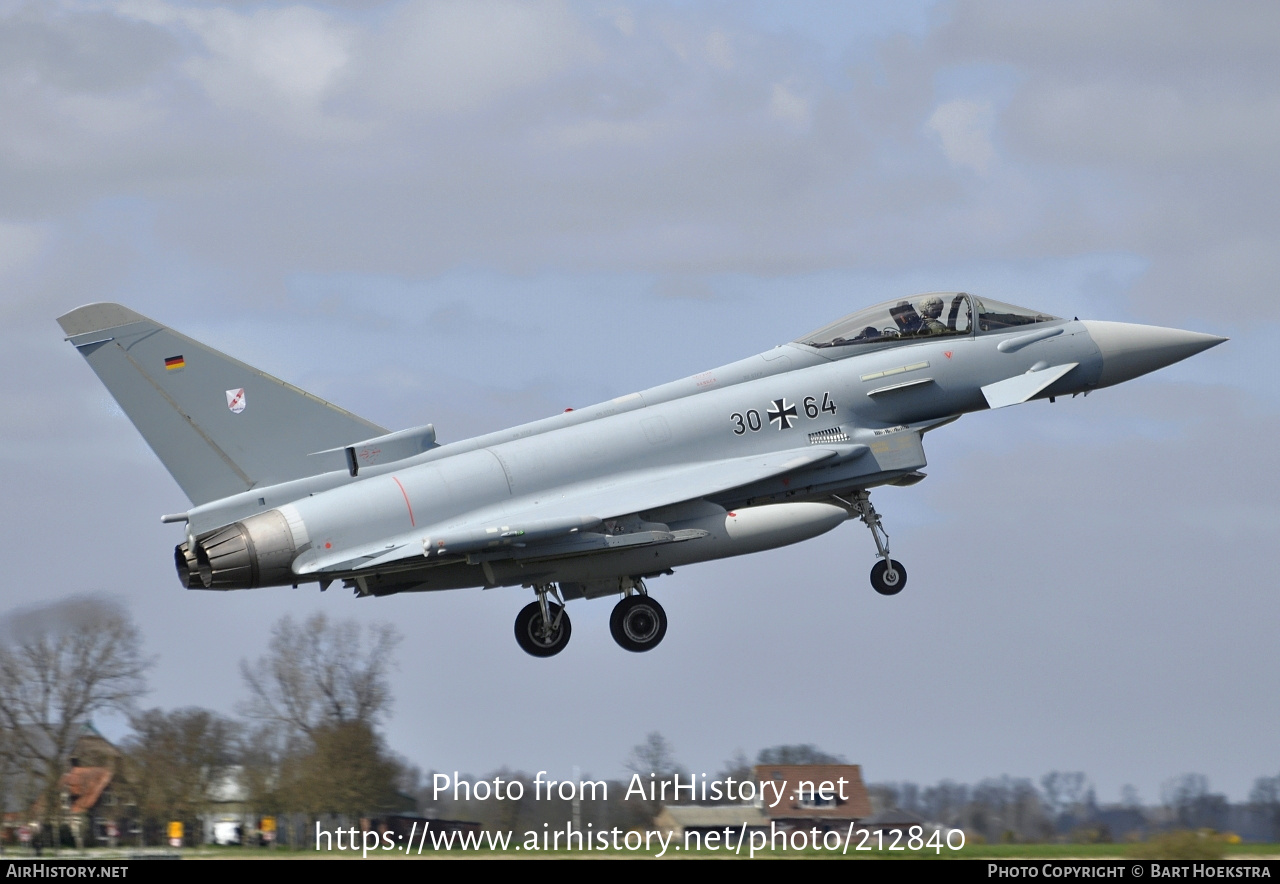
{"x":931,"y":307}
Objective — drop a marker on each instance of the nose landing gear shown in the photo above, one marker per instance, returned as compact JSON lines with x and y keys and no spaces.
{"x":888,"y":577}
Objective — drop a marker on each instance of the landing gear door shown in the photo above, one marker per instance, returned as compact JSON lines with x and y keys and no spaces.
{"x":897,"y":448}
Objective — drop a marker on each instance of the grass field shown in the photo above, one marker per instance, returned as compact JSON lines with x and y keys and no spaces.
{"x":970,"y":852}
{"x":975,"y":851}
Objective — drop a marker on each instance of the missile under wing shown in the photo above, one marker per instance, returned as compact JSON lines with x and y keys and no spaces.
{"x":286,"y":488}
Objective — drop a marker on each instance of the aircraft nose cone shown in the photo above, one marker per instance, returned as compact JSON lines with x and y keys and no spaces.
{"x":1129,"y":350}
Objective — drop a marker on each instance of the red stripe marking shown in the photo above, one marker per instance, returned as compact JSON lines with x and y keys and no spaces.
{"x":412,"y":523}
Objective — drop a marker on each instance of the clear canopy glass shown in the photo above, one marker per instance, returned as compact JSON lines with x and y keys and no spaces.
{"x":994,"y":316}
{"x":933,"y":315}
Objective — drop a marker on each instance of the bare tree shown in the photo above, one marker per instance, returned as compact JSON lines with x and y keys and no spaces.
{"x":59,"y":665}
{"x":1191,"y":805}
{"x":945,"y":802}
{"x":267,"y":773}
{"x":1264,"y":799}
{"x":1068,"y":796}
{"x":654,"y":756}
{"x":738,"y":767}
{"x":653,"y":763}
{"x":798,"y":753}
{"x":1007,"y":809}
{"x":178,"y":762}
{"x":346,"y":772}
{"x":322,"y":674}
{"x":322,"y":689}
{"x":1129,"y":796}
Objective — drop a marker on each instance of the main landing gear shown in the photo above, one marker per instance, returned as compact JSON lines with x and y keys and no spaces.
{"x":543,"y":627}
{"x":638,"y":622}
{"x":888,"y":577}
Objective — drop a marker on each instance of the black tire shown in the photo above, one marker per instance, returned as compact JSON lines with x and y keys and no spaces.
{"x":885,"y":584}
{"x":638,"y":623}
{"x":529,"y":630}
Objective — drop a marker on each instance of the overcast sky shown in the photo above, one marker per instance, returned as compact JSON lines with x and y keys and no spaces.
{"x":480,"y":213}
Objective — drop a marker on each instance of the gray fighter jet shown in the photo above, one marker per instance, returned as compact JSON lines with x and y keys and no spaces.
{"x":778,"y":448}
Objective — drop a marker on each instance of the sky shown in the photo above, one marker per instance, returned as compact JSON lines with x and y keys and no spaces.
{"x":479,"y":213}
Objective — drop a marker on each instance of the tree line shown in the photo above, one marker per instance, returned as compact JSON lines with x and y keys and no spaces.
{"x":1064,"y":807}
{"x":308,"y":744}
{"x":1061,"y":806}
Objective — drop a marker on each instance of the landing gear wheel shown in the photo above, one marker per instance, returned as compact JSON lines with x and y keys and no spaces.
{"x":889,"y":577}
{"x":638,"y":623}
{"x":537,"y":638}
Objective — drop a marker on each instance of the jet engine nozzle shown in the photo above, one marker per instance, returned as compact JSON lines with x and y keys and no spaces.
{"x":257,"y":551}
{"x":188,"y":568}
{"x":1130,"y":350}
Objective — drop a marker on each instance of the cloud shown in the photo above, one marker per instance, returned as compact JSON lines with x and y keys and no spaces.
{"x":294,"y":54}
{"x":964,"y":128}
{"x":480,"y":213}
{"x":1156,"y":124}
{"x":20,"y":244}
{"x":789,"y":106}
{"x":81,"y":50}
{"x":416,"y":137}
{"x":455,"y":56}
{"x":684,"y":288}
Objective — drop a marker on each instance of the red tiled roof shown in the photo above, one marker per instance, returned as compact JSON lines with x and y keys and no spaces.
{"x":856,"y":803}
{"x":85,"y":785}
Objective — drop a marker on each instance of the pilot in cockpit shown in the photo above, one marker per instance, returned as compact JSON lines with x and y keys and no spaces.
{"x":930,"y":311}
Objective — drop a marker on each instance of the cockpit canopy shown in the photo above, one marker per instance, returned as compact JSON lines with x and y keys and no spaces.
{"x":936,"y":314}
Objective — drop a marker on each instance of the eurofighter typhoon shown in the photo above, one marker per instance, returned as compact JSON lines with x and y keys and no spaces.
{"x":772,"y":450}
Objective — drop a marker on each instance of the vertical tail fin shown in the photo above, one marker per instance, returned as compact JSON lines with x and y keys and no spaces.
{"x":219,"y":426}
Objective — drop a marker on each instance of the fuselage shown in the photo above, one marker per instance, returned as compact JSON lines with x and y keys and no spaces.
{"x":863,"y":402}
{"x":787,"y":398}
{"x":757,"y":454}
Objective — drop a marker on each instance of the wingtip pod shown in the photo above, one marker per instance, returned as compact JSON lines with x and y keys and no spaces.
{"x":1130,"y":350}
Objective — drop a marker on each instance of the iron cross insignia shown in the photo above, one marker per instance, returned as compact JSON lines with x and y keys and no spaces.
{"x":782,"y":414}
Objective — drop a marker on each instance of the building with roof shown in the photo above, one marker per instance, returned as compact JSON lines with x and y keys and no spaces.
{"x":91,"y":805}
{"x":822,"y":795}
{"x":789,"y":796}
{"x":682,"y":818}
